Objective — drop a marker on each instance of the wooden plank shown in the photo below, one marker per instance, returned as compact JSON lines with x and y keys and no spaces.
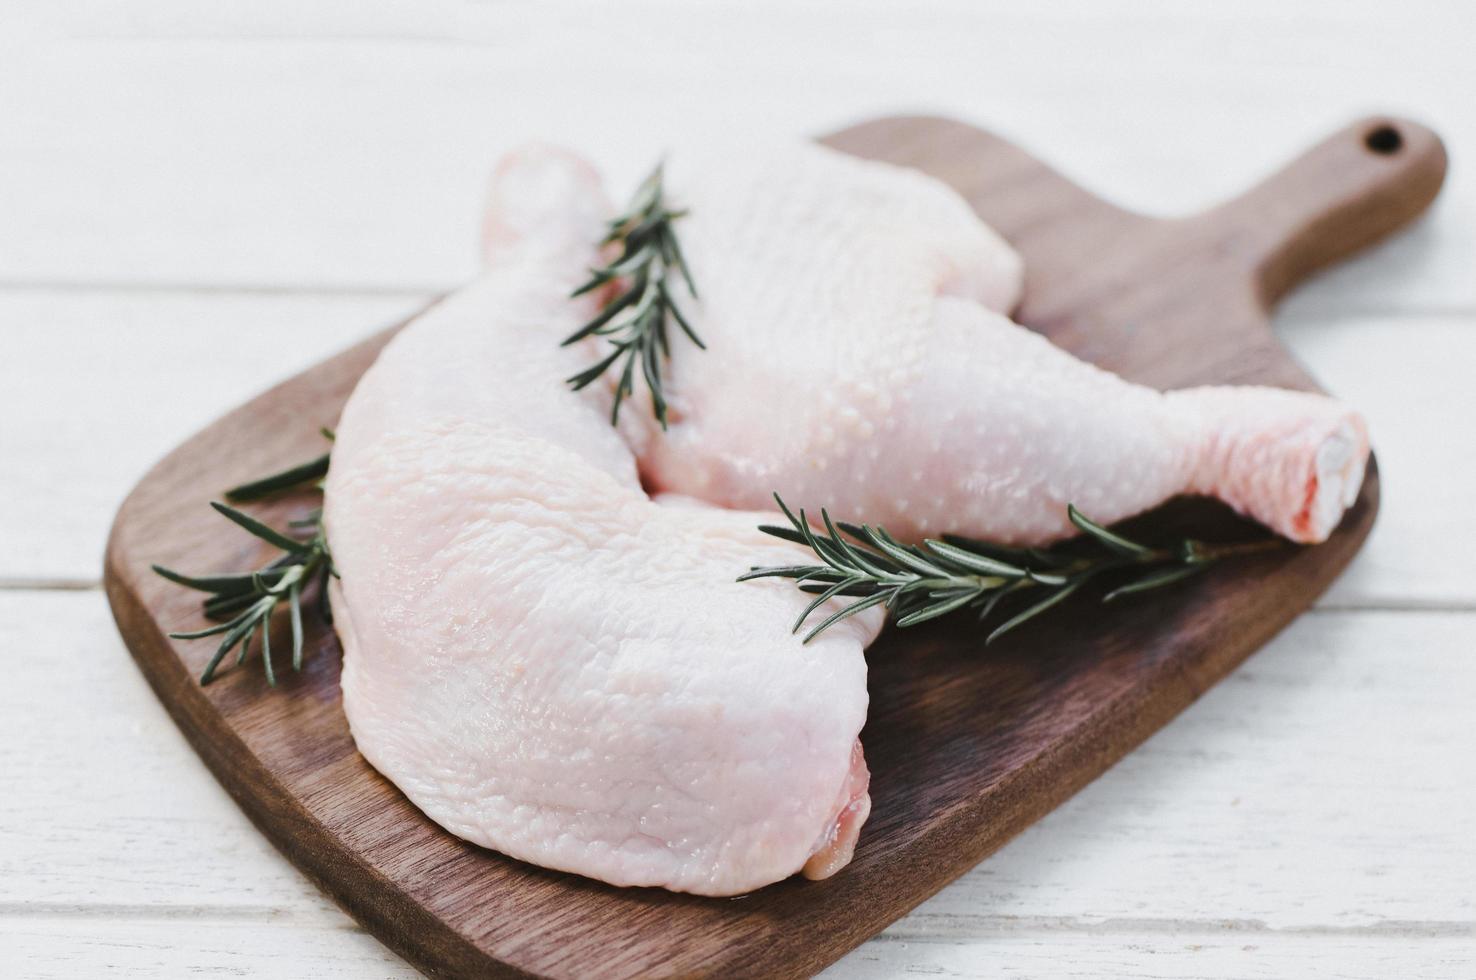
{"x":115,"y":812}
{"x":1276,"y":813}
{"x":1211,"y":952}
{"x":93,"y":352}
{"x":1411,"y":378}
{"x":99,"y":385}
{"x":391,"y":140}
{"x":41,"y":948}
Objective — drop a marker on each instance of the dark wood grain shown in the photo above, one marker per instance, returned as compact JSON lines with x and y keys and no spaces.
{"x":967,"y":746}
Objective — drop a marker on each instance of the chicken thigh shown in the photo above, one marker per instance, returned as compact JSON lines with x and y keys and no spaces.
{"x":544,"y":659}
{"x":859,"y":359}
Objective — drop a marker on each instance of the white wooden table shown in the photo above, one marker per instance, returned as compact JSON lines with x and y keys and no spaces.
{"x":197,"y":200}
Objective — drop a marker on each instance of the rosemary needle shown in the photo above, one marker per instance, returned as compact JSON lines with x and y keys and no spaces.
{"x":314,"y":469}
{"x":243,"y":603}
{"x":917,"y":583}
{"x":635,"y":318}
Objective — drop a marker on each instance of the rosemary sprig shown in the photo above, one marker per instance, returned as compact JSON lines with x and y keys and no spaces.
{"x":243,"y":603}
{"x":313,"y":469}
{"x":919,"y":583}
{"x":635,"y":320}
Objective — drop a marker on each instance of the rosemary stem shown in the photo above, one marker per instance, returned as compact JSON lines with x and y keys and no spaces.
{"x":919,"y":582}
{"x":1239,"y":548}
{"x":636,"y":300}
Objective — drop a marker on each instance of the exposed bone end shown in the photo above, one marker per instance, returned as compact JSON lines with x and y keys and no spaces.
{"x":1337,"y":476}
{"x":838,"y":843}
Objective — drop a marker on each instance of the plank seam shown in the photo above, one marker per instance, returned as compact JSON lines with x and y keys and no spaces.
{"x":49,"y":584}
{"x":954,"y":928}
{"x":977,"y":927}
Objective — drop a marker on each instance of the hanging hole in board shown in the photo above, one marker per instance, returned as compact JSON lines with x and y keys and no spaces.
{"x":1384,"y":139}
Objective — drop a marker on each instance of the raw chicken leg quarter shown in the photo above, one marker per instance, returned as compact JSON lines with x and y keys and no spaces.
{"x":550,"y":662}
{"x":859,"y":358}
{"x":545,"y":660}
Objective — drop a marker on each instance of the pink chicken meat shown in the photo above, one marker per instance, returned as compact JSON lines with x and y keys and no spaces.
{"x":553,"y":663}
{"x":859,"y":358}
{"x":544,"y":659}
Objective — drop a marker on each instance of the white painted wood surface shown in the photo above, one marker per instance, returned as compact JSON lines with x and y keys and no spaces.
{"x":197,"y":200}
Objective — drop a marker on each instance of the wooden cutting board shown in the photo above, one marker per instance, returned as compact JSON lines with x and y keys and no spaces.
{"x":966,"y":745}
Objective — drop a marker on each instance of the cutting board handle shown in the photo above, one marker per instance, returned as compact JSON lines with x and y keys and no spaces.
{"x":1358,"y":185}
